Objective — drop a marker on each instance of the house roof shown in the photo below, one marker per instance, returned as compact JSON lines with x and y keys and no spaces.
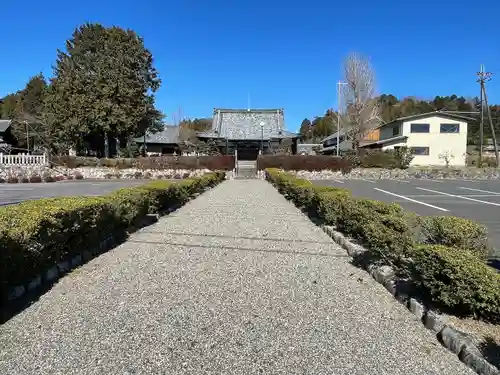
{"x":244,"y":124}
{"x":343,"y":146}
{"x":419,"y":116}
{"x":169,"y":135}
{"x":334,"y":135}
{"x":4,"y":125}
{"x":384,"y":141}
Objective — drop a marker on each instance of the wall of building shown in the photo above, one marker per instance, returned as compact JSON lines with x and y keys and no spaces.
{"x":373,"y":135}
{"x":390,"y":131}
{"x":439,"y":144}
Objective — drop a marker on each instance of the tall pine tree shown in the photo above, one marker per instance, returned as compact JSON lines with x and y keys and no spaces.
{"x":103,"y":87}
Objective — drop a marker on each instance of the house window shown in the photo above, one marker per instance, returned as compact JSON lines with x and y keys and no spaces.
{"x":395,"y":131}
{"x":450,"y":128}
{"x":420,"y":150}
{"x":420,"y":128}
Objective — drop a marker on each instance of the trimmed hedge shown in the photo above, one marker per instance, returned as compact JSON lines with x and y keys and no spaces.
{"x":303,"y":162}
{"x":457,"y":280}
{"x":35,"y":235}
{"x":453,"y":277}
{"x":390,"y":159}
{"x":456,"y":232}
{"x":216,"y":162}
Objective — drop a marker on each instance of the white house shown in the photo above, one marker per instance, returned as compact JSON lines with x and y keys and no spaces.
{"x":436,"y":138}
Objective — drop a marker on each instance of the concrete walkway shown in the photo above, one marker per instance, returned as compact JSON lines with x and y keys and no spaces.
{"x":238,"y":281}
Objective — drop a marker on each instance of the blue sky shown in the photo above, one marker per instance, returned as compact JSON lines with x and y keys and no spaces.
{"x":285,"y":54}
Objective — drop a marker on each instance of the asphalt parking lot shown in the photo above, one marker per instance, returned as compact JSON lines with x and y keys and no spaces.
{"x":478,"y":200}
{"x":15,"y":193}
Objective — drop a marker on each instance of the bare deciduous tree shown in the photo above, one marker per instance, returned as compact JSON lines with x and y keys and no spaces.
{"x":359,"y":97}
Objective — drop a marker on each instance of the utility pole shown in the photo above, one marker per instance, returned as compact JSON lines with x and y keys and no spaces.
{"x":484,"y":77}
{"x":339,"y":108}
{"x":481,"y":126}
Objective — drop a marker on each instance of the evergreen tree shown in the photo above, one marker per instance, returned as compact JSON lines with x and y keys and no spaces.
{"x":27,"y":125}
{"x":103,"y":87}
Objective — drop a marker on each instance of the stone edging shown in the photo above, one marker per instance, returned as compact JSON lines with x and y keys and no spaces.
{"x":455,"y":341}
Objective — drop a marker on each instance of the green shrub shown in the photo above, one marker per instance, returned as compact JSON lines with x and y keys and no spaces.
{"x":328,"y":203}
{"x":404,"y":157}
{"x":446,"y":276}
{"x":379,"y":159}
{"x":382,"y":227}
{"x":356,"y":212}
{"x":36,"y":234}
{"x":458,"y":281}
{"x":456,"y":232}
{"x":391,"y":159}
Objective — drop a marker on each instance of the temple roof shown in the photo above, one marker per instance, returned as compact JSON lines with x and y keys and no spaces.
{"x":169,"y":135}
{"x":243,"y":124}
{"x":4,"y":125}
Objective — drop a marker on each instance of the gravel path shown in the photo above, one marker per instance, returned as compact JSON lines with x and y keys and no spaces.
{"x":238,"y":281}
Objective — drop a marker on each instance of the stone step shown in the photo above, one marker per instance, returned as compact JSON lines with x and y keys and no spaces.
{"x":246,"y":173}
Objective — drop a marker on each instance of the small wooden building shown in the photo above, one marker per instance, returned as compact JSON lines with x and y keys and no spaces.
{"x":165,"y":142}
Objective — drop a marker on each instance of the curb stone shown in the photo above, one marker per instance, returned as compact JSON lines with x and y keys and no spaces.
{"x":35,"y":283}
{"x":51,"y":274}
{"x":457,"y":342}
{"x":16,"y":292}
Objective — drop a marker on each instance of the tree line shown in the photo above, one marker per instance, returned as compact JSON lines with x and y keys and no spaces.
{"x":392,"y":108}
{"x":102,"y":89}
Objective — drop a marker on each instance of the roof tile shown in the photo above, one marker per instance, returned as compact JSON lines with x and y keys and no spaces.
{"x":248,"y":125}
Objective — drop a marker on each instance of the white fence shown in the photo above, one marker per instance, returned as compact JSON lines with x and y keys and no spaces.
{"x":22,"y":159}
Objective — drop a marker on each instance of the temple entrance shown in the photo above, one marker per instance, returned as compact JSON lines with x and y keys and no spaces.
{"x":248,"y":151}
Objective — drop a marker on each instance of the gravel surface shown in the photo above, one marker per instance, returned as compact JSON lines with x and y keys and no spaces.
{"x":238,"y":281}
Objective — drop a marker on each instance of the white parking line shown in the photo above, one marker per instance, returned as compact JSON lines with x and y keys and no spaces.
{"x":371,"y":182}
{"x":460,"y":196}
{"x":481,"y":191}
{"x":439,"y":195}
{"x":412,"y":200}
{"x":403,"y":181}
{"x":340,"y":182}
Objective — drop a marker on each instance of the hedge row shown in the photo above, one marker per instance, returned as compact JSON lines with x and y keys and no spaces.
{"x":35,"y":235}
{"x":216,"y":162}
{"x":390,"y":159}
{"x":303,"y":163}
{"x":443,"y":256}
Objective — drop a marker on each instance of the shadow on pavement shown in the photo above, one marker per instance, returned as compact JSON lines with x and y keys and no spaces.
{"x":491,"y":351}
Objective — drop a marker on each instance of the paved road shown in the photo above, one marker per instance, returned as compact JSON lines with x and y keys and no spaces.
{"x":238,"y":281}
{"x":472,"y":199}
{"x":15,"y":193}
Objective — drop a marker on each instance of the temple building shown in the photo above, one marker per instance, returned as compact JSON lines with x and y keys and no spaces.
{"x":250,"y":132}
